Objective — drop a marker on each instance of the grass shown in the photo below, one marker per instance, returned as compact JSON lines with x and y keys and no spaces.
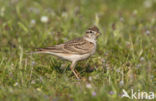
{"x":125,"y":56}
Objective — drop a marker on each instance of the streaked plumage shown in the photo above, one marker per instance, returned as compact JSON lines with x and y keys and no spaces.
{"x":75,"y":50}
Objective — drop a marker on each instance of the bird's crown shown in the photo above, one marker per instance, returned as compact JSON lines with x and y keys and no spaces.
{"x":94,"y":28}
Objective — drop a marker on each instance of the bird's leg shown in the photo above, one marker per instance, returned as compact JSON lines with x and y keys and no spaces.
{"x":72,"y":68}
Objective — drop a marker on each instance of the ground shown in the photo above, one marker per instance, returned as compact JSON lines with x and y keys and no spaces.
{"x":125,"y":58}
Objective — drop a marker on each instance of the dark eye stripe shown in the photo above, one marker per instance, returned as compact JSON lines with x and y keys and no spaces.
{"x":90,"y":31}
{"x":87,"y":32}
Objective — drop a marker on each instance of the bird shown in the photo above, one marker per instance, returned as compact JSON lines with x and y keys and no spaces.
{"x":75,"y":50}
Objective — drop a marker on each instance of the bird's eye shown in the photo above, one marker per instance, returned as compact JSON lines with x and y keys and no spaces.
{"x":91,"y":31}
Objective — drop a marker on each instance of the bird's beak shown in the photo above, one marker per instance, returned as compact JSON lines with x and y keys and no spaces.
{"x":97,"y":34}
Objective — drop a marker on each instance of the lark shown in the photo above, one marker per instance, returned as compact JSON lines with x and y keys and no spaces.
{"x":76,"y":49}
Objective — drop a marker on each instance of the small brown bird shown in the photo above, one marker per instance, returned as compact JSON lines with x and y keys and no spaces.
{"x":75,"y":50}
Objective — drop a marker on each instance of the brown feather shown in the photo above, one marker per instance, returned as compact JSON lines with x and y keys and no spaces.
{"x":77,"y":46}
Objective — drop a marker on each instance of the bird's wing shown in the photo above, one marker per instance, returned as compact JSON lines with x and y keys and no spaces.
{"x":76,"y":46}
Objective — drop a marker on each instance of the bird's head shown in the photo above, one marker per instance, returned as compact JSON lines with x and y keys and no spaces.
{"x":92,"y":32}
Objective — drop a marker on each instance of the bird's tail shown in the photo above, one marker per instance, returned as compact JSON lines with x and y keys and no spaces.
{"x":35,"y":52}
{"x":38,"y":51}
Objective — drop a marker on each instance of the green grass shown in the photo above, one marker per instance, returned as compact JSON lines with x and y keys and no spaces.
{"x":125,"y":56}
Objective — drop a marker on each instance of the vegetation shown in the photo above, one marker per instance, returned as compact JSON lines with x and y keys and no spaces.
{"x":125,"y":56}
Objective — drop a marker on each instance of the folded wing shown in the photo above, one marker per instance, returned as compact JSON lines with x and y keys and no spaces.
{"x":77,"y":46}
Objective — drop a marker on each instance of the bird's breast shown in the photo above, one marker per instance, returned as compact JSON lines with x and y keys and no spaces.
{"x":93,"y":50}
